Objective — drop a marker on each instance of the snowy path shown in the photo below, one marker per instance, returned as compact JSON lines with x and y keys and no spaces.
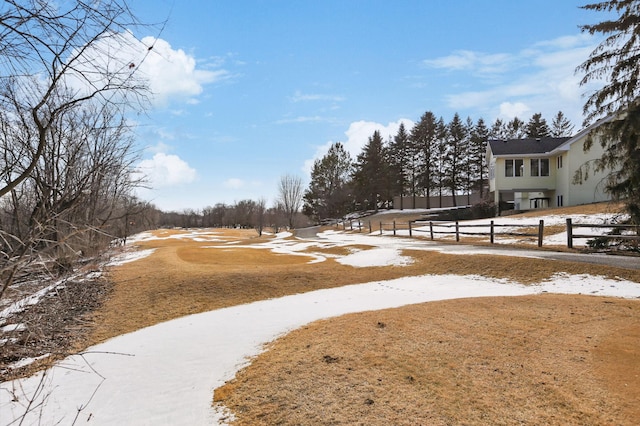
{"x":165,"y":374}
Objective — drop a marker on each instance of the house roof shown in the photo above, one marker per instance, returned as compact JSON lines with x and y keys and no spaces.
{"x":527,"y":146}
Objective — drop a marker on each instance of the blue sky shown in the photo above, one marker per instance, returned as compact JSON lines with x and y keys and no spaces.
{"x":248,"y":91}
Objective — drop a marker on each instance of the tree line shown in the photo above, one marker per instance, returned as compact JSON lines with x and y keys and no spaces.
{"x":433,"y":158}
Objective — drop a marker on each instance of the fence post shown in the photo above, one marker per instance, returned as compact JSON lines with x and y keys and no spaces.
{"x":431,"y":230}
{"x":569,"y":233}
{"x":394,"y":228}
{"x":410,"y":231}
{"x":540,"y":233}
{"x":491,"y":238}
{"x":370,"y":228}
{"x":380,"y":227}
{"x":457,"y":231}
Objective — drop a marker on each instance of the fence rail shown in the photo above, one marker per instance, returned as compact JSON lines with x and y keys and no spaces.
{"x":458,"y":229}
{"x":572,"y":235}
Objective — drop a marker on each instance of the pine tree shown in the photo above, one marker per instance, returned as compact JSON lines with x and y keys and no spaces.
{"x":469,"y":174}
{"x":401,"y":164}
{"x":442,"y":144}
{"x":455,"y":156}
{"x":537,"y":127}
{"x":561,"y":126}
{"x":498,"y":130}
{"x":477,"y":153}
{"x":515,"y":129}
{"x":328,"y":193}
{"x":423,"y":139}
{"x":617,"y":60}
{"x":370,"y":174}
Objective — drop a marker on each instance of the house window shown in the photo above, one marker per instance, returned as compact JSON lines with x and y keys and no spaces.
{"x":560,"y":161}
{"x":560,"y":201}
{"x":539,"y":167}
{"x":513,"y":168}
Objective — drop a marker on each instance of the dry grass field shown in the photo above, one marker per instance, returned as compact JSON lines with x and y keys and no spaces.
{"x":544,"y":359}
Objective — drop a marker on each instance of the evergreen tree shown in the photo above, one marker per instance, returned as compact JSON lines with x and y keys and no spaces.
{"x":455,"y":156}
{"x":328,"y":193}
{"x":401,"y":164}
{"x":477,"y":153}
{"x":468,"y":174}
{"x":561,"y":126}
{"x":537,"y":127}
{"x":423,"y":139}
{"x":370,"y":174}
{"x":617,"y":59}
{"x":498,"y":130}
{"x":515,"y":129}
{"x":442,"y":145}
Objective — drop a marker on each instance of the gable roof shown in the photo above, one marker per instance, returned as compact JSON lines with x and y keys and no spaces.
{"x":526,"y":146}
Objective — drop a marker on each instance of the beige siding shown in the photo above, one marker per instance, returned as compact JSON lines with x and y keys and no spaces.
{"x":526,"y":181}
{"x":592,"y":189}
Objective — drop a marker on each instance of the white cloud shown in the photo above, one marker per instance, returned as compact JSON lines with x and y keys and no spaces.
{"x":510,"y":111}
{"x":302,"y":97}
{"x":302,"y":119}
{"x":159,"y":147}
{"x":545,"y":80}
{"x":234,"y":183}
{"x":166,"y":170}
{"x":474,"y":61}
{"x":170,"y":74}
{"x":358,"y":135}
{"x":174,"y":74}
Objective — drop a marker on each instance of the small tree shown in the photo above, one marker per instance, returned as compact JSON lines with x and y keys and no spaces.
{"x":260,"y":215}
{"x":537,"y":127}
{"x":328,"y":193}
{"x":561,"y":126}
{"x":290,"y":197}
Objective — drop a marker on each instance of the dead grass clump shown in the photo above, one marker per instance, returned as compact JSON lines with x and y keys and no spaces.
{"x":546,"y":359}
{"x":237,"y":256}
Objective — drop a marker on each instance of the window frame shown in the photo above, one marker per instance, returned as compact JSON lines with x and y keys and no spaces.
{"x":538,"y":169}
{"x":517,"y":167}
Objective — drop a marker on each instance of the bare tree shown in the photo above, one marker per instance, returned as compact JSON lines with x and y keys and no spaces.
{"x":260,"y":215}
{"x":67,"y":79}
{"x":290,"y":196}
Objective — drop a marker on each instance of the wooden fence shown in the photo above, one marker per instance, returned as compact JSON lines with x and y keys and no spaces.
{"x":571,"y":235}
{"x":458,"y":229}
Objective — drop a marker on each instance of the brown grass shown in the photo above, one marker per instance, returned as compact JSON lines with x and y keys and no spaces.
{"x":528,"y":360}
{"x":184,"y":277}
{"x":549,"y":359}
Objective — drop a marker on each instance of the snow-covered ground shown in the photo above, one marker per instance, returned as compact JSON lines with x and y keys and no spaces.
{"x":166,"y":374}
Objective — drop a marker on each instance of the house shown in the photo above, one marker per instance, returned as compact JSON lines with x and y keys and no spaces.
{"x":539,"y":172}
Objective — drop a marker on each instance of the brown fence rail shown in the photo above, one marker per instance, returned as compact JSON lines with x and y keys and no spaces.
{"x":571,"y":235}
{"x":456,"y":228}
